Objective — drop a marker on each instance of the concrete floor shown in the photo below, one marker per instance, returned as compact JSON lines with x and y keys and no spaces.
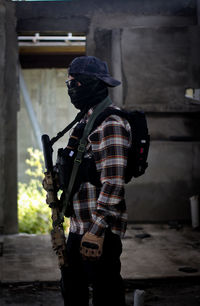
{"x":162,"y":254}
{"x":29,"y":275}
{"x":29,"y":258}
{"x":176,"y":292}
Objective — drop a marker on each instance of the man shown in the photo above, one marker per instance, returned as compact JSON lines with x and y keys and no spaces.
{"x":98,"y":219}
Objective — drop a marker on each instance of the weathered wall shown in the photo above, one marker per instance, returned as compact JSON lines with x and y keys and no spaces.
{"x":158,"y":67}
{"x":2,"y":120}
{"x":8,"y":113}
{"x":76,"y":17}
{"x":173,"y":176}
{"x":153,"y":47}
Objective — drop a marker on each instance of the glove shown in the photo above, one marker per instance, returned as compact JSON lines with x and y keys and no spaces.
{"x":91,"y":246}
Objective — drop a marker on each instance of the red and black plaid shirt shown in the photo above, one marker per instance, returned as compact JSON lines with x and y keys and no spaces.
{"x":97,"y":208}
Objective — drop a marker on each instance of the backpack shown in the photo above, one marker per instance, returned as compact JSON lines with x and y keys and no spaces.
{"x":138,"y":152}
{"x":75,"y":168}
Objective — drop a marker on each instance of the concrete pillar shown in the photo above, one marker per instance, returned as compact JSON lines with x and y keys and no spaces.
{"x":8,"y":114}
{"x":2,"y":115}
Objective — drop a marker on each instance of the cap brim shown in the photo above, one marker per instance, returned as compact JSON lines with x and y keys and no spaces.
{"x":109,"y":80}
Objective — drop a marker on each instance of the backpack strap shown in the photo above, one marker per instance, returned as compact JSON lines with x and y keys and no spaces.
{"x":108,"y":112}
{"x":81,"y":149}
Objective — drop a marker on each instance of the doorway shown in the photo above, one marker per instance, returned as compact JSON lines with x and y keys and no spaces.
{"x":47,"y":109}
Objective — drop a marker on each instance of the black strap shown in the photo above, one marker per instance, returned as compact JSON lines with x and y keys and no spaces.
{"x":78,"y":117}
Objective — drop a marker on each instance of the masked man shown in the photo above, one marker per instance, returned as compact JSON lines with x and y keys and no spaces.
{"x":98,"y":219}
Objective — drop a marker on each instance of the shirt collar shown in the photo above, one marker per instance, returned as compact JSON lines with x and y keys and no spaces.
{"x":91,"y":110}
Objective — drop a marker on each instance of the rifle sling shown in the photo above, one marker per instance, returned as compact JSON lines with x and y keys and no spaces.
{"x":81,"y":149}
{"x":66,"y":129}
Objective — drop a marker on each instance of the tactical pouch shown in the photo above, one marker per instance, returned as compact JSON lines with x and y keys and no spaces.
{"x":87,"y":171}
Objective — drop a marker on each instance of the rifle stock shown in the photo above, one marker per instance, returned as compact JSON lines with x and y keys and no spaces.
{"x":57,"y":233}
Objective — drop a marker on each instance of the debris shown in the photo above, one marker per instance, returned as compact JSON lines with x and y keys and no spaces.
{"x":139,"y":297}
{"x":142,"y":236}
{"x":188,"y":270}
{"x":175,"y":225}
{"x":196,"y":229}
{"x":194,"y":207}
{"x":196,"y":245}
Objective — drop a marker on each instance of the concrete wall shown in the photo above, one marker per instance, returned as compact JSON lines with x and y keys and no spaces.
{"x":172,"y":177}
{"x":52,"y":107}
{"x":153,"y":47}
{"x":157,"y":65}
{"x":8,"y":118}
{"x":76,"y":17}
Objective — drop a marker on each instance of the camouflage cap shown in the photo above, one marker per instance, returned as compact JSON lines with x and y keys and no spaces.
{"x":91,"y":65}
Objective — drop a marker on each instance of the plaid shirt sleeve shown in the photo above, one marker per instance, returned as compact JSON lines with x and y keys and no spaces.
{"x":110,"y":143}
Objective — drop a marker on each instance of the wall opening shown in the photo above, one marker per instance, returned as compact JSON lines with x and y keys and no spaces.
{"x":43,"y":64}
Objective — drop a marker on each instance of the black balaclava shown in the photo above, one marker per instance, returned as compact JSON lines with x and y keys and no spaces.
{"x":91,"y":92}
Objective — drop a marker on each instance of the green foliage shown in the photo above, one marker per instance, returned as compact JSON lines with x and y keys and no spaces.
{"x":34,"y":214}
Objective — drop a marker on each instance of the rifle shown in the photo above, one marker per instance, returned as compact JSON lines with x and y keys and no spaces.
{"x":57,"y":233}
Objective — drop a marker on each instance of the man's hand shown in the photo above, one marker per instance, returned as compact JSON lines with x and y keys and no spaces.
{"x":91,"y":246}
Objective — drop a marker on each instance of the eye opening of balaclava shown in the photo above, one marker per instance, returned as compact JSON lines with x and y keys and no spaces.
{"x":88,"y":93}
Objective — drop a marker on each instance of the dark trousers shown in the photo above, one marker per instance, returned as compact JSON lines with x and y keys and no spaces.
{"x":102,"y":275}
